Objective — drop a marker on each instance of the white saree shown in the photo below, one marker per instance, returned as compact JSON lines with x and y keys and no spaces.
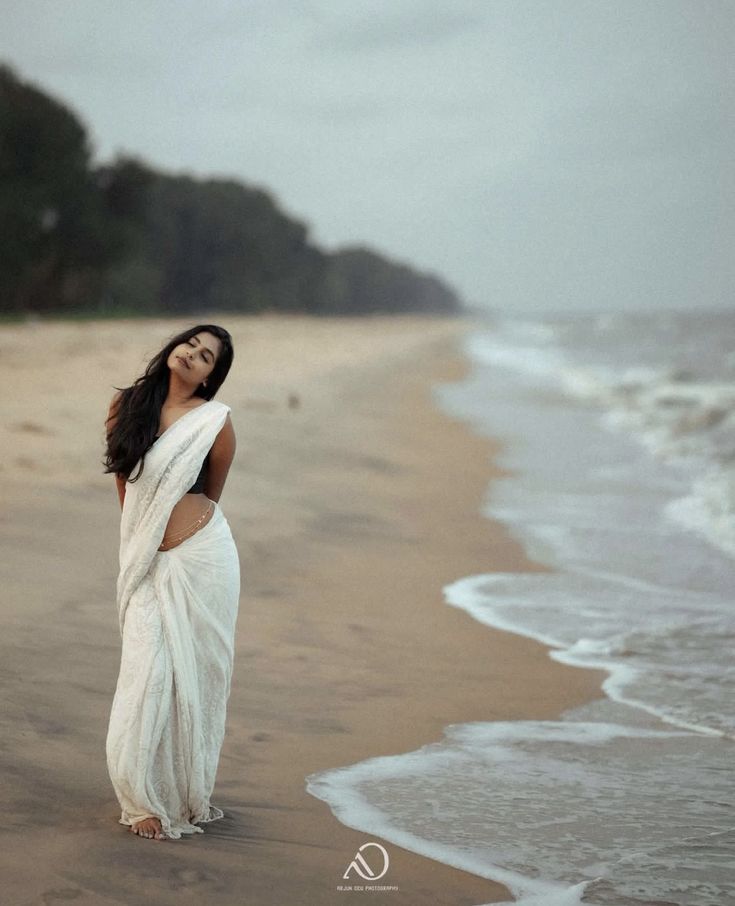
{"x":177,"y":613}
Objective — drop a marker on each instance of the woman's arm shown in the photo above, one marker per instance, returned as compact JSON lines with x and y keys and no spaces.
{"x":110,"y":422}
{"x":120,"y":482}
{"x":220,"y":460}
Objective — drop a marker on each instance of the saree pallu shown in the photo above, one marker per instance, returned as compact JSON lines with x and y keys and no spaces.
{"x":177,"y":619}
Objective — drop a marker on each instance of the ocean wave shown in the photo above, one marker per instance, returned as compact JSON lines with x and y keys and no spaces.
{"x":679,"y":418}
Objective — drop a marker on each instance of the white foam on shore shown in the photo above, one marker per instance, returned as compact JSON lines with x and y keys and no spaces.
{"x":579,"y":617}
{"x":673,"y":415}
{"x":630,"y":592}
{"x":526,"y":801}
{"x":626,"y":801}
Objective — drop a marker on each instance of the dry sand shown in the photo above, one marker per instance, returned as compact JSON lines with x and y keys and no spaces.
{"x":351,"y":507}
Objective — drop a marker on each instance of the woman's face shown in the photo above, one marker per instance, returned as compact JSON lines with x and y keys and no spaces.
{"x":194,"y":359}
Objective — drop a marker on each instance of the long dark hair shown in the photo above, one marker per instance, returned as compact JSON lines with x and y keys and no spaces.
{"x":138,"y":410}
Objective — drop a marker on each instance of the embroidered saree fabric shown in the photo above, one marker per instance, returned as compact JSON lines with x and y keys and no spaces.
{"x":177,"y":613}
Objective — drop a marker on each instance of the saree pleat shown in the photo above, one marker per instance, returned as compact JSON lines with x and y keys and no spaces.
{"x":167,"y":722}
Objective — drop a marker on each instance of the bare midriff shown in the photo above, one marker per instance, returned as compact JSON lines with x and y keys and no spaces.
{"x":188,"y":517}
{"x":193,"y":511}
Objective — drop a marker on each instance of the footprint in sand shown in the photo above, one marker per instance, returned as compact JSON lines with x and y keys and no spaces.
{"x":30,"y":428}
{"x":188,"y":877}
{"x":61,"y":894}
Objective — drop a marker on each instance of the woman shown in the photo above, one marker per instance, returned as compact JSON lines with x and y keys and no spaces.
{"x":178,"y":588}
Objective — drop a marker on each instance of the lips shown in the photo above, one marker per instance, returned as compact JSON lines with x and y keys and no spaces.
{"x":186,"y":364}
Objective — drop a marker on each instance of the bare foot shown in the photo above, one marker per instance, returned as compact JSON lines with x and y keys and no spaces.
{"x":149,"y":827}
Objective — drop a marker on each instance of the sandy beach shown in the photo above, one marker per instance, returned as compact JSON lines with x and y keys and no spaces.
{"x":352,"y":500}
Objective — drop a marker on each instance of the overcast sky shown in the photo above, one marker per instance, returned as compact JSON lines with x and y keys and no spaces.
{"x":538,"y":154}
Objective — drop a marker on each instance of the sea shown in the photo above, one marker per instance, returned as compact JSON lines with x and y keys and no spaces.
{"x":618,"y":433}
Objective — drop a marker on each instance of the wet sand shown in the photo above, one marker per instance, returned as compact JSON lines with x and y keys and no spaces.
{"x":352,"y":500}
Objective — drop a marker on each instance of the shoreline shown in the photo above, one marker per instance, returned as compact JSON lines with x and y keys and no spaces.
{"x":350,"y":513}
{"x":448,"y":652}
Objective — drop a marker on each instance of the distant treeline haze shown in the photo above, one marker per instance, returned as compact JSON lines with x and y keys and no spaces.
{"x":126,"y":238}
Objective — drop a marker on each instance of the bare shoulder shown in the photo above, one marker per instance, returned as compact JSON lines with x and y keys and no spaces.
{"x":227,"y":429}
{"x":224,"y":443}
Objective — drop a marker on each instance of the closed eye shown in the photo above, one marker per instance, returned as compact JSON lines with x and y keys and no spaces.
{"x":191,"y":343}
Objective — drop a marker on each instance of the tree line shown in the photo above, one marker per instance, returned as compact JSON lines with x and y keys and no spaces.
{"x":125,"y":238}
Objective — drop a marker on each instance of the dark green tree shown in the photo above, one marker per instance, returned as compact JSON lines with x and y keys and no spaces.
{"x":361,"y":281}
{"x":123,"y":237}
{"x":222,"y":245}
{"x":61,"y":228}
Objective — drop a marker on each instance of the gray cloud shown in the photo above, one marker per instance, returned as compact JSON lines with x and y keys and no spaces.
{"x":395,"y":27}
{"x":538,"y":153}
